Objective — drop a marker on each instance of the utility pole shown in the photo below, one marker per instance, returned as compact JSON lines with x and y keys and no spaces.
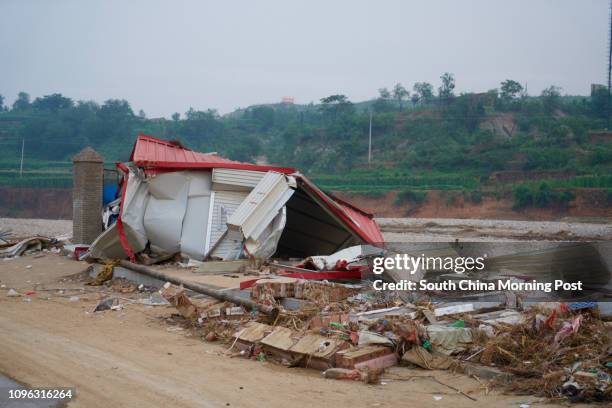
{"x":609,"y":68}
{"x":21,"y":165}
{"x":370,"y":141}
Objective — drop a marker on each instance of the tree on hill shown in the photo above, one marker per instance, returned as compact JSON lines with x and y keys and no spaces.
{"x":22,"y":102}
{"x":52,"y":103}
{"x":336,"y":106}
{"x":382,"y":103}
{"x":446,"y":90}
{"x":510,"y":90}
{"x":2,"y":103}
{"x":400,"y":93}
{"x":551,"y":99}
{"x":423,"y":92}
{"x":263,"y":116}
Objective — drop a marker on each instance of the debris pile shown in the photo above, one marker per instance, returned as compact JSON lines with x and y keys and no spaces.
{"x":355,"y":333}
{"x":554,"y":353}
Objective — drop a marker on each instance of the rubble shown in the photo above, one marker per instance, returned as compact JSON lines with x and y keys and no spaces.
{"x":554,"y":352}
{"x":26,"y":246}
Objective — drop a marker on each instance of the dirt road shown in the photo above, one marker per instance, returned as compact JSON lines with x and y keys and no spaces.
{"x":133,"y":358}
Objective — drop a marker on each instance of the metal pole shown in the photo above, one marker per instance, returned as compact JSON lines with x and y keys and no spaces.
{"x":370,"y":141}
{"x":609,"y":68}
{"x":21,"y":165}
{"x":205,"y":290}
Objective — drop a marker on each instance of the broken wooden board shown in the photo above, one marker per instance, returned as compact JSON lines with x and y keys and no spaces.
{"x":177,"y":298}
{"x":349,"y":358}
{"x":221,"y":267}
{"x":281,"y":338}
{"x":323,"y":320}
{"x":253,"y":332}
{"x":276,"y":288}
{"x":318,"y":351}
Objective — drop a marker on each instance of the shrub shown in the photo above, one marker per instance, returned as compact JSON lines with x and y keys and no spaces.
{"x":522,"y":197}
{"x":410,"y":196}
{"x":543,"y":196}
{"x":565,"y":198}
{"x":476,"y":196}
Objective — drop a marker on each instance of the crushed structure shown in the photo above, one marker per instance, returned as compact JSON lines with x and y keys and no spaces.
{"x":202,"y":206}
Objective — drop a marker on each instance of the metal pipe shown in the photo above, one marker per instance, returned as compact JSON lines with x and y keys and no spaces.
{"x":197,"y":287}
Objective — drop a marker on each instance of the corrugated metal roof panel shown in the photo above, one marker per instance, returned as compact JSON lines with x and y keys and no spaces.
{"x":234,"y":179}
{"x":149,"y":152}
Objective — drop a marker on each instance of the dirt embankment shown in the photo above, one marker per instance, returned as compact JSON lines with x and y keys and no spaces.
{"x":47,"y":203}
{"x":56,"y":203}
{"x":447,"y":204}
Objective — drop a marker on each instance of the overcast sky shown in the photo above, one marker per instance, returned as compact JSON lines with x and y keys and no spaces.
{"x":165,"y":56}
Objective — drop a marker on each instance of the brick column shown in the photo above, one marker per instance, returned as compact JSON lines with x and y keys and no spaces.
{"x":88,"y":173}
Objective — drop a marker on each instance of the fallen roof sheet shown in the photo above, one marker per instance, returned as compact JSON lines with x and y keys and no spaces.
{"x":152,"y":153}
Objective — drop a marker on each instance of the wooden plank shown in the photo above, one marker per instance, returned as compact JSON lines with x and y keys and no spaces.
{"x":281,"y":338}
{"x":350,"y":357}
{"x":221,"y":267}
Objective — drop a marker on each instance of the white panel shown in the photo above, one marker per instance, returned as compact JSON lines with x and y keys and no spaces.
{"x":229,"y":247}
{"x":235,"y":180}
{"x":224,"y":205}
{"x":163,"y":219}
{"x":262,"y":204}
{"x":211,"y":206}
{"x":193,"y":236}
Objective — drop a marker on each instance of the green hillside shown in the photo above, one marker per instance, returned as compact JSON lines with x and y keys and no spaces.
{"x":421,"y":140}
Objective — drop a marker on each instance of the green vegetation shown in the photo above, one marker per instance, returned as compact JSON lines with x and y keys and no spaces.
{"x":409,"y":196}
{"x":424,"y":137}
{"x":542,"y":196}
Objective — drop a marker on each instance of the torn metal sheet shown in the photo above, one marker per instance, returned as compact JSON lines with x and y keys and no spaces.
{"x":194,"y":229}
{"x":163,"y":218}
{"x":262,"y":205}
{"x":343,"y":258}
{"x":108,"y":244}
{"x":28,"y":244}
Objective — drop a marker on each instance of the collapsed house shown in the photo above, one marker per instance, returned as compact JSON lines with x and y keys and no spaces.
{"x":203,"y":206}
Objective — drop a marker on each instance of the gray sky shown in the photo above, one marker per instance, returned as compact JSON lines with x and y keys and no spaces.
{"x":165,"y":56}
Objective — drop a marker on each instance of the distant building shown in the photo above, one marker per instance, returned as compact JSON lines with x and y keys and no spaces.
{"x":597,"y":87}
{"x":288,"y":100}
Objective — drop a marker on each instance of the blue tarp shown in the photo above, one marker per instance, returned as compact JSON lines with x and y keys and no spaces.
{"x":109,"y":193}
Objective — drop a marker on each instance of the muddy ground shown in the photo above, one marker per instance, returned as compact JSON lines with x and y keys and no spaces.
{"x":140,"y":357}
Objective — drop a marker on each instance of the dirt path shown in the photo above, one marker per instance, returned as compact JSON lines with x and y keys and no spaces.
{"x":131,"y":358}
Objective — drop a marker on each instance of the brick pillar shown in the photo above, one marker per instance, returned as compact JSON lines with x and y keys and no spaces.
{"x":88,"y":173}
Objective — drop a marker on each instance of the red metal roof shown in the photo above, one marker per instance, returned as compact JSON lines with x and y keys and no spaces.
{"x":156,"y":154}
{"x":152,"y":153}
{"x":359,"y":221}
